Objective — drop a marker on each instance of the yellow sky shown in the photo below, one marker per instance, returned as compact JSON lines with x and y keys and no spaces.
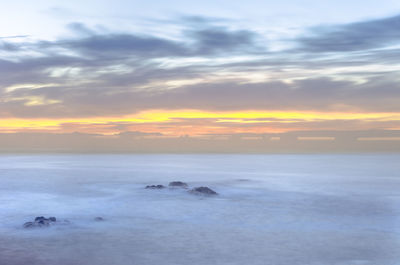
{"x":201,"y":122}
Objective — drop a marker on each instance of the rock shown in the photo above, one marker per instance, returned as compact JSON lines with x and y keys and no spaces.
{"x":178,"y":184}
{"x":40,"y":218}
{"x":155,"y":187}
{"x":43,"y":223}
{"x":29,"y":225}
{"x":243,"y":180}
{"x":99,"y":219}
{"x":40,"y":221}
{"x":203,"y":191}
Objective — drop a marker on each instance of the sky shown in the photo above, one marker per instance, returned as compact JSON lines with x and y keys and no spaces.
{"x":205,"y":70}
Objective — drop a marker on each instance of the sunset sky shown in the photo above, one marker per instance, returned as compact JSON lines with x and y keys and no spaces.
{"x":199,"y":68}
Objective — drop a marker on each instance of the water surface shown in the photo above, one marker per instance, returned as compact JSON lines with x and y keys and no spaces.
{"x":272,"y":209}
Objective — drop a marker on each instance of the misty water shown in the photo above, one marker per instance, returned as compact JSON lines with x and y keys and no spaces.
{"x":271,"y":209}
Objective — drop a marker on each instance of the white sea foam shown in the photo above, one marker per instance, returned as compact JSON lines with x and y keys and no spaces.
{"x":272,"y":209}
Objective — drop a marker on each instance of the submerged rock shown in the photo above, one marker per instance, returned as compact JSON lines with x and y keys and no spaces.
{"x":29,"y":225}
{"x":41,"y":221}
{"x":41,"y":218}
{"x":155,"y":187}
{"x":243,"y":180}
{"x":178,"y":184}
{"x":203,"y":191}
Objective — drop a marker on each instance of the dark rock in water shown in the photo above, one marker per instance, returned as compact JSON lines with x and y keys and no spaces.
{"x":243,"y":180}
{"x":39,"y":218}
{"x":40,"y":221}
{"x":203,"y":191}
{"x":155,"y":187}
{"x":29,"y":225}
{"x":178,"y":184}
{"x":43,"y":223}
{"x":99,"y":219}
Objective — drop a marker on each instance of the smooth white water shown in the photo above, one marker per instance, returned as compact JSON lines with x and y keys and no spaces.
{"x":272,"y":209}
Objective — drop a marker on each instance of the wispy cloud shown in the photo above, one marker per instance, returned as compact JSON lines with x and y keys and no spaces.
{"x":357,"y":36}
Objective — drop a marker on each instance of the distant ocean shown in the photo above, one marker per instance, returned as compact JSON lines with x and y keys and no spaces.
{"x":271,"y":209}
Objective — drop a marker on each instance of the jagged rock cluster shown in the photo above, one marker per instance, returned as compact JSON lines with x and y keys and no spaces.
{"x":180,"y":184}
{"x":155,"y":187}
{"x":41,"y":221}
{"x":203,"y":190}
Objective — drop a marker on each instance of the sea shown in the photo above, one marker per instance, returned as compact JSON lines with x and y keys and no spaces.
{"x":283,"y":209}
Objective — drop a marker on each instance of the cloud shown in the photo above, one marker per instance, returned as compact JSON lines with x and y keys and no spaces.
{"x":208,"y":40}
{"x":124,"y":45}
{"x":107,"y":99}
{"x":357,"y":36}
{"x":200,"y":20}
{"x":7,"y":46}
{"x":219,"y":40}
{"x":15,"y":37}
{"x":113,"y":73}
{"x":80,"y":28}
